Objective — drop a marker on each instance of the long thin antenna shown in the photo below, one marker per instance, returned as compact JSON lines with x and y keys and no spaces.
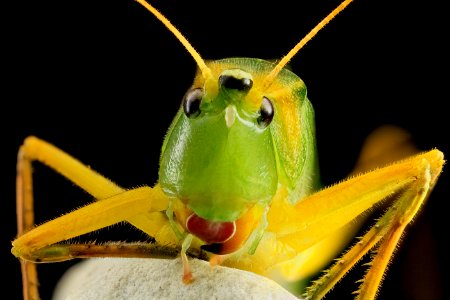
{"x":271,"y":77}
{"x":206,"y":72}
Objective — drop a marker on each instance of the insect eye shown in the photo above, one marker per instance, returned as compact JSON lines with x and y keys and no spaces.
{"x":265,"y":113}
{"x":191,"y":102}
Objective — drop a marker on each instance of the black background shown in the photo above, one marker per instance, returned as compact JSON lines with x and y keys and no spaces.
{"x":103,"y":79}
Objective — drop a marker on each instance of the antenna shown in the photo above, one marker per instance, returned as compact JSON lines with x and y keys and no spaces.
{"x":206,"y":72}
{"x":273,"y":74}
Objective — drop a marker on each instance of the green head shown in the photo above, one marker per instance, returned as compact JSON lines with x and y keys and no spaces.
{"x":219,"y":156}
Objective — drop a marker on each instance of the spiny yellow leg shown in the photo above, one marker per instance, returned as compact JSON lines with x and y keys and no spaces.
{"x":151,"y":222}
{"x":314,"y":218}
{"x":86,"y":219}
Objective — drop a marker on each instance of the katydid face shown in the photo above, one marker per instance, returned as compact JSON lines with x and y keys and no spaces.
{"x":219,"y":157}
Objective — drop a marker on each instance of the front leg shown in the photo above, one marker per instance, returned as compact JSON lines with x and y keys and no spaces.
{"x":383,"y":236}
{"x":83,"y":220}
{"x":295,"y":229}
{"x":33,"y":149}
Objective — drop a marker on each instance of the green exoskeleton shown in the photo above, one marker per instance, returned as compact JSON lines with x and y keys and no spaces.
{"x":238,"y":184}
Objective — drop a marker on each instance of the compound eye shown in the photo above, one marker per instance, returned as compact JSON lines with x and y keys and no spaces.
{"x":192,"y":101}
{"x":265,"y":113}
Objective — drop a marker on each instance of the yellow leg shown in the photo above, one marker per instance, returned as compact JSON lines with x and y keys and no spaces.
{"x":296,"y":230}
{"x":87,"y":219}
{"x":406,"y":184}
{"x":385,"y":145}
{"x":86,"y":178}
{"x":383,"y":236}
{"x":153,"y":223}
{"x":313,"y":217}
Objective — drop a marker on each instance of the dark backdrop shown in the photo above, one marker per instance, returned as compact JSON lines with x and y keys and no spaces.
{"x":103,"y":79}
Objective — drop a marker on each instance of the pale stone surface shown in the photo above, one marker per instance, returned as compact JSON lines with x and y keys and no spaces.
{"x":126,"y":278}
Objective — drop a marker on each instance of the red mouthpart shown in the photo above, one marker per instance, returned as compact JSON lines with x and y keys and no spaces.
{"x":210,"y":231}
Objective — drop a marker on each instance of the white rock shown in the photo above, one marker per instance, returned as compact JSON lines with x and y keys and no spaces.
{"x":127,"y":278}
